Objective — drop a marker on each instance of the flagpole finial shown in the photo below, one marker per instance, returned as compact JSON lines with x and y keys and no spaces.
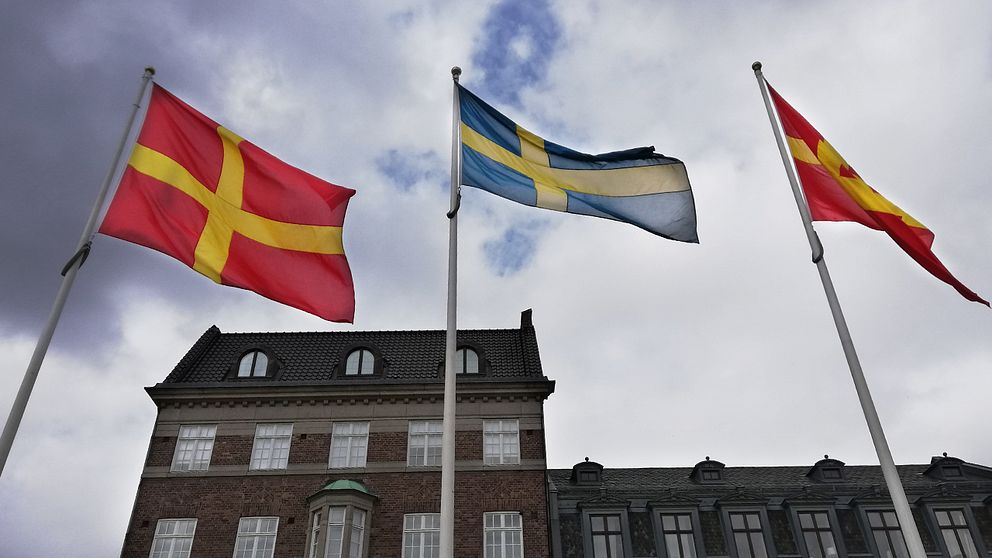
{"x":455,"y":72}
{"x":150,"y":70}
{"x":756,"y":66}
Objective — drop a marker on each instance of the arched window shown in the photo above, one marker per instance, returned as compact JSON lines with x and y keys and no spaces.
{"x":361,"y":362}
{"x":466,"y":361}
{"x":253,"y":365}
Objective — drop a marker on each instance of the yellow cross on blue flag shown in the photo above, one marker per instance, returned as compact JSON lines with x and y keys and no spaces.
{"x":636,"y":186}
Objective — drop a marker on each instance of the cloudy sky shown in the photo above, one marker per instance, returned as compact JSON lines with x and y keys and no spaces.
{"x":663,"y":352}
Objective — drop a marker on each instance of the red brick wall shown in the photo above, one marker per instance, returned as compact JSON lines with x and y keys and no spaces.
{"x":160,"y":451}
{"x":315,"y":448}
{"x":232,"y":450}
{"x":218,"y":503}
{"x":387,"y":446}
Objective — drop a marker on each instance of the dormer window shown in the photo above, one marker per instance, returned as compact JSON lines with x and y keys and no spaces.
{"x":587,"y":472}
{"x":254,"y":364}
{"x":827,"y":470}
{"x":707,"y":472}
{"x":951,"y":471}
{"x":361,"y":362}
{"x":466,"y":361}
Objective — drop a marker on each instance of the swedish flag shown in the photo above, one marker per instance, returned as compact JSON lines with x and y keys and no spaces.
{"x":636,"y":186}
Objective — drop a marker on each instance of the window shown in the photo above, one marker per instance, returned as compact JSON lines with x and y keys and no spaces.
{"x":193,"y":447}
{"x":712,"y":475}
{"x":817,"y":534}
{"x":314,"y":536}
{"x":173,"y":538}
{"x":339,"y":514}
{"x":677,"y":531}
{"x":607,"y":538}
{"x":466,"y":361}
{"x":421,"y":535}
{"x":253,"y":365}
{"x":271,"y":448}
{"x":748,"y":538}
{"x":887,"y":534}
{"x":349,"y":443}
{"x":501,"y":442}
{"x":504,"y":535}
{"x":424,"y":443}
{"x":335,"y":532}
{"x":957,"y":537}
{"x":256,"y":537}
{"x":361,"y":362}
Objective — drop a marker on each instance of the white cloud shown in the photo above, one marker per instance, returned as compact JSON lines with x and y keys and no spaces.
{"x":663,"y":352}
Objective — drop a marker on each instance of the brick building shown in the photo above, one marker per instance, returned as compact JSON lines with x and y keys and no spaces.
{"x":827,"y":510}
{"x":328,"y":444}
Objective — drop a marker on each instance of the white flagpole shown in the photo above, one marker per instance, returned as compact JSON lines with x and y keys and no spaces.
{"x":69,"y":275}
{"x":906,"y":521}
{"x":447,"y":546}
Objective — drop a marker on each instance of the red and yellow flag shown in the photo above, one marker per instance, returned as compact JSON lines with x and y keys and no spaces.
{"x":196,"y":191}
{"x":834,"y":192}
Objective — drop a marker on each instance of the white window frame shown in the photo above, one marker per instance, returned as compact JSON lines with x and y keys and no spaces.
{"x":502,"y":530}
{"x":270,"y":450}
{"x":425,"y":435}
{"x":173,"y":537}
{"x":334,"y":525}
{"x":498,"y":433}
{"x":258,"y":364}
{"x":194,"y":439}
{"x":462,"y":363}
{"x":314,"y":543}
{"x":359,"y":362}
{"x":422,"y":532}
{"x":255,"y":536}
{"x":343,"y":435}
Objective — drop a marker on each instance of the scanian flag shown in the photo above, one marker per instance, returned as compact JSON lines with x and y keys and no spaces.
{"x":835,"y":192}
{"x":196,"y":191}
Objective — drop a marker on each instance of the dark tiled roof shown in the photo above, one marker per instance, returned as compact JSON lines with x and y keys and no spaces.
{"x":674,"y":483}
{"x":408,"y":356}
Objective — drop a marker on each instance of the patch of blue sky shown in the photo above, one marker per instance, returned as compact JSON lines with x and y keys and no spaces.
{"x":515,"y":248}
{"x":519,"y":38}
{"x":407,"y":169}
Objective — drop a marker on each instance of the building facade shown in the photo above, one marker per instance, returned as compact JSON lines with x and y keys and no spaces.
{"x":827,"y":510}
{"x":328,"y":445}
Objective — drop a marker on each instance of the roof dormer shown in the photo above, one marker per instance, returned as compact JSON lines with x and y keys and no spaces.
{"x":949,"y":468}
{"x":827,"y":470}
{"x":707,"y":472}
{"x":587,"y":473}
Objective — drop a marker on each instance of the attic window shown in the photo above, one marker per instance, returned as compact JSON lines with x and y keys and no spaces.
{"x":830,"y":473}
{"x":466,"y":361}
{"x":361,"y":362}
{"x":254,"y":364}
{"x":711,"y":475}
{"x":951,"y":471}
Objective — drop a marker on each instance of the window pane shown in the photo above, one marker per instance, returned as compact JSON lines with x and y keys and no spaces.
{"x":812,"y":544}
{"x":736,"y":521}
{"x":668,"y":522}
{"x":261,"y":364}
{"x":599,"y":547}
{"x":688,"y":546}
{"x":245,"y":366}
{"x":743,"y":548}
{"x":471,"y":362}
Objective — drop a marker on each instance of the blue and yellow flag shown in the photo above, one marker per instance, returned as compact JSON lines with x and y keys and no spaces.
{"x":636,"y":186}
